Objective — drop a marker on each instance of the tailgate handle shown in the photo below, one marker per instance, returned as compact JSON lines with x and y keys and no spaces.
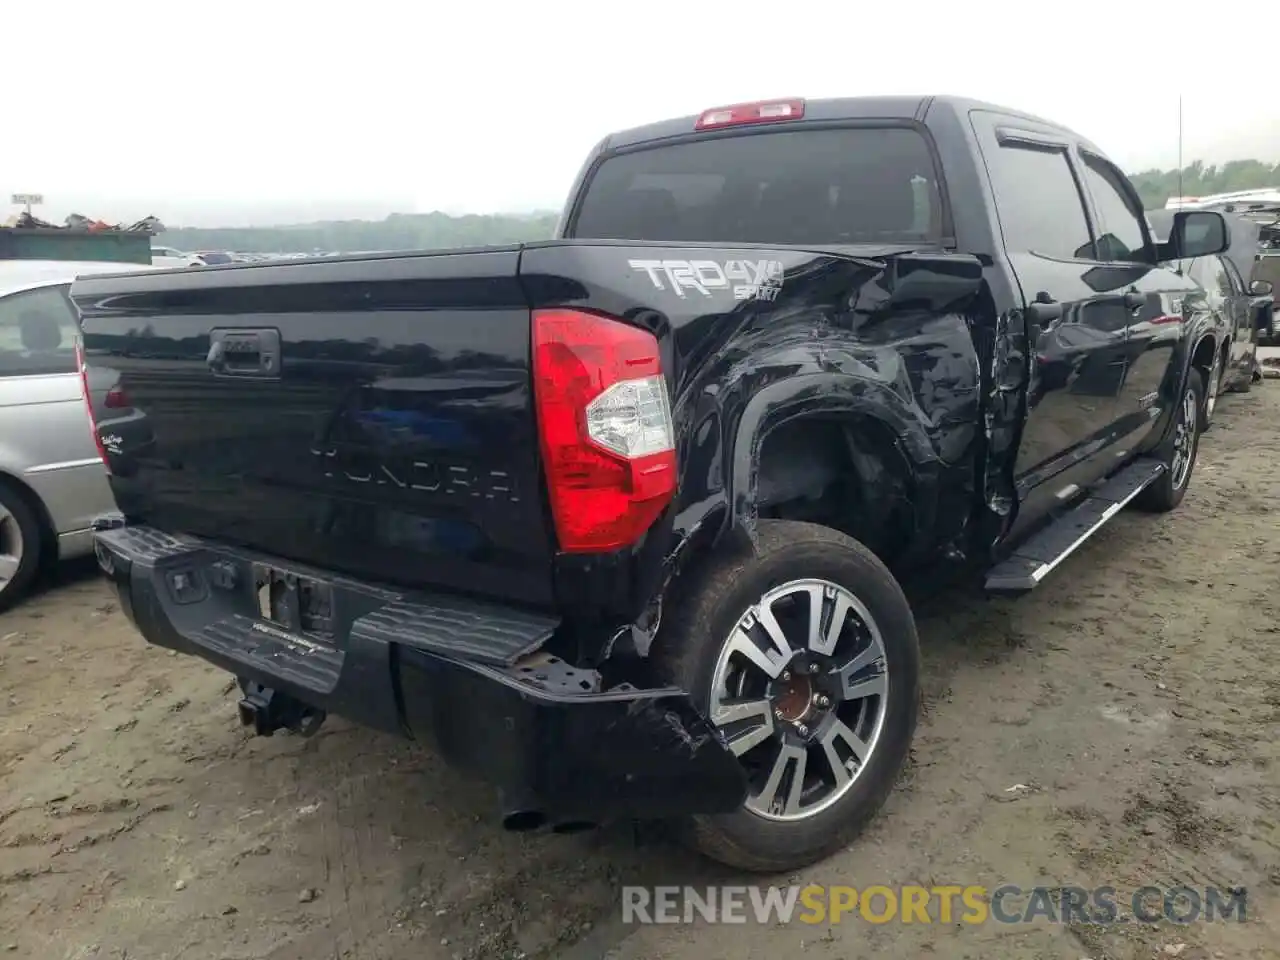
{"x":244,"y":353}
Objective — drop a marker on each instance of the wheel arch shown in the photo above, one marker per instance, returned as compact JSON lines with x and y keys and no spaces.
{"x":889,"y":451}
{"x":1205,"y":352}
{"x":1201,"y":348}
{"x":887,"y":447}
{"x":843,"y":470}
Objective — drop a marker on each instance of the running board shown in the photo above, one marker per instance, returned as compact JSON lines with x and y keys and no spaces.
{"x":1039,"y":556}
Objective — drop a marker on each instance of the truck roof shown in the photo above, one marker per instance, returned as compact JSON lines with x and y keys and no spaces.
{"x":839,"y":108}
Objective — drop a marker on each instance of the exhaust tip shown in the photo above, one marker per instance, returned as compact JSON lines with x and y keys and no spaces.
{"x":522,"y":821}
{"x":573,"y":826}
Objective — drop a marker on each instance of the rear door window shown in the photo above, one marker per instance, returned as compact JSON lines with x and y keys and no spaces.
{"x":38,"y":331}
{"x":803,"y":187}
{"x":1039,"y":203}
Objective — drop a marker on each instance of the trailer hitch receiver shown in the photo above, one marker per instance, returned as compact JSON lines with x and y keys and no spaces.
{"x":267,"y":710}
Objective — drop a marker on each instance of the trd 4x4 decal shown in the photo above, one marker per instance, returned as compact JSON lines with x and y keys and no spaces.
{"x":747,"y":279}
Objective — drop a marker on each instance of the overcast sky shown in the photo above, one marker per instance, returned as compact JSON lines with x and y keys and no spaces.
{"x":226,"y":112}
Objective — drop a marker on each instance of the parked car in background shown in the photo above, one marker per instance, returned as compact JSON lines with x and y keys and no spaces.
{"x":211,"y":258}
{"x":51,"y":478}
{"x":169,"y":257}
{"x":1266,"y":269}
{"x":1241,"y":306}
{"x":1260,"y":208}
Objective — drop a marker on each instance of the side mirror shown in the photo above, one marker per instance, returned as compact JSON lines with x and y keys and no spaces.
{"x":1196,"y":233}
{"x":1261,"y":288}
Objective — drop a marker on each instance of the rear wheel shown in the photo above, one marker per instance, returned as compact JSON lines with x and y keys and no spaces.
{"x":805,"y":657}
{"x":1178,"y":452}
{"x":19,"y":547}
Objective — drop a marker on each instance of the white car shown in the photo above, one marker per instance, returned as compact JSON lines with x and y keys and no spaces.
{"x":52,"y":481}
{"x":169,"y":257}
{"x":211,"y":258}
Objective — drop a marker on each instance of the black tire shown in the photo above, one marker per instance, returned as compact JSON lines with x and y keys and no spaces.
{"x":688,"y":650}
{"x":14,"y":510}
{"x":1212,"y":393}
{"x":1166,"y":493}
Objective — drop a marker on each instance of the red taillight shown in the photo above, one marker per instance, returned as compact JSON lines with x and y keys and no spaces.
{"x":608,"y":444}
{"x":765,"y":111}
{"x":116,"y":399}
{"x":88,"y":401}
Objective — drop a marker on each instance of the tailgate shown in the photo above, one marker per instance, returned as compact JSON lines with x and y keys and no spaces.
{"x":372,"y":416}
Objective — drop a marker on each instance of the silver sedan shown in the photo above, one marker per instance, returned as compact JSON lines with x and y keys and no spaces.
{"x":52,"y":480}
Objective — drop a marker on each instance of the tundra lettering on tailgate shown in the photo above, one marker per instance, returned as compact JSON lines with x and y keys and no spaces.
{"x":747,"y":279}
{"x":453,"y":479}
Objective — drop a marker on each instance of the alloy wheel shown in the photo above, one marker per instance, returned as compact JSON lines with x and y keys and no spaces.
{"x":800,"y":691}
{"x":1184,"y":436}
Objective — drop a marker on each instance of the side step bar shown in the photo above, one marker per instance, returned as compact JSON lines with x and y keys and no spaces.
{"x":1040,"y":555}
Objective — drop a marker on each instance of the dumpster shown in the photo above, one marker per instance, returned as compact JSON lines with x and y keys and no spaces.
{"x":54,"y":243}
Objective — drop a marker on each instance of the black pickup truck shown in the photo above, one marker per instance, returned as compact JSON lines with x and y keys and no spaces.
{"x":618,"y":520}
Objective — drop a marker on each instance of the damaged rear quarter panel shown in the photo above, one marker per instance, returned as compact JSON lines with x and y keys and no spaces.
{"x":879,"y":335}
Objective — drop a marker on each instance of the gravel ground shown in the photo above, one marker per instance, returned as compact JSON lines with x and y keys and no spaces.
{"x":1135,"y":697}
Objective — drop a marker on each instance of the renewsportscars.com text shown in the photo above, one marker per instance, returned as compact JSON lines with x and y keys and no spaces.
{"x":970,"y":904}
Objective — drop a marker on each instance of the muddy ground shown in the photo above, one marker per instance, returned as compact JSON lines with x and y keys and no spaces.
{"x":1135,"y":696}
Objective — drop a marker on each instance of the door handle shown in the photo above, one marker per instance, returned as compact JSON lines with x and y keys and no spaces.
{"x":235,"y":354}
{"x":1134,"y":300}
{"x":216,"y":358}
{"x":244,"y":353}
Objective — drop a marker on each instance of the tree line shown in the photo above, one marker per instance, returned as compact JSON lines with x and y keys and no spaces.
{"x":427,"y":231}
{"x":399,"y":231}
{"x":1199,"y":179}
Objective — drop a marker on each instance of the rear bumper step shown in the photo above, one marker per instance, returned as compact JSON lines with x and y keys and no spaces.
{"x":467,"y":675}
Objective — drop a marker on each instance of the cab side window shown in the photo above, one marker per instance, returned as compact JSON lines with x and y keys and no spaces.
{"x":38,"y":331}
{"x":1120,"y":233}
